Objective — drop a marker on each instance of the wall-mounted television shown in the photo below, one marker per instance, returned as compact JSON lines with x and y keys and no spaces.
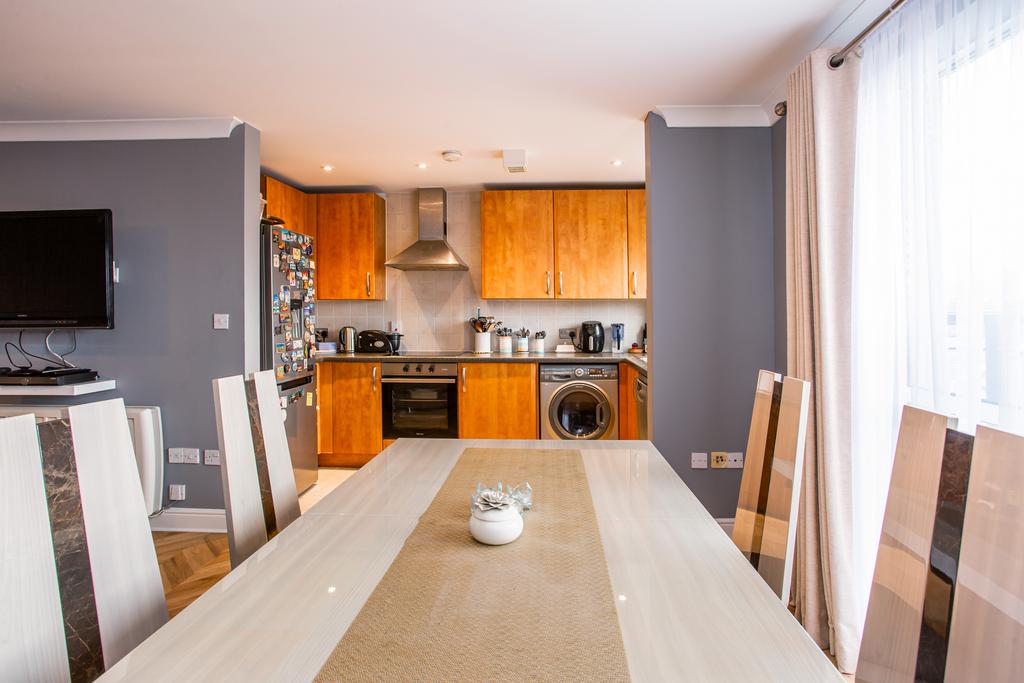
{"x":57,"y":269}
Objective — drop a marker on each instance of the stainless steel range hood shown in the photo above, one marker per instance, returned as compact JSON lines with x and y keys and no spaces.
{"x":431,"y":251}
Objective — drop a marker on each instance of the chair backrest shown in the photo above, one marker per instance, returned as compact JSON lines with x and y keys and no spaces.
{"x":907,"y":626}
{"x":273,"y":459}
{"x":778,"y":539}
{"x":748,"y":524}
{"x":74,"y":521}
{"x":987,"y":624}
{"x":243,"y":500}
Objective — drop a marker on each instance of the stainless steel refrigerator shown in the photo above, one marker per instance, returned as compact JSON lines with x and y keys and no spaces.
{"x":287,"y":318}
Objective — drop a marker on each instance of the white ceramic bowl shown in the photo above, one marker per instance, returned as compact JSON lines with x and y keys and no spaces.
{"x":496,"y":527}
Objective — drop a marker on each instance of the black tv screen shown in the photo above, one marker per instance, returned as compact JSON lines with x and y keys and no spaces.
{"x":57,"y":269}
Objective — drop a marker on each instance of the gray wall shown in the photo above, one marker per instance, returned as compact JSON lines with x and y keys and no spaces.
{"x":779,"y":237}
{"x":711,"y":305}
{"x":179,"y":209}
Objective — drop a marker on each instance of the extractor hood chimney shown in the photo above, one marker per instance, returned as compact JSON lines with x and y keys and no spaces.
{"x":431,"y":251}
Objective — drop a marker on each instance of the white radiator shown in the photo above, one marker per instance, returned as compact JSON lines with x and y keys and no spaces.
{"x":147,"y":438}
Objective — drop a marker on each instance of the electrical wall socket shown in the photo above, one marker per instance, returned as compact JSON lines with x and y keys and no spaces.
{"x":176,"y":492}
{"x":211,"y":456}
{"x":221,"y":321}
{"x":698,"y":461}
{"x":734,"y":461}
{"x":719,"y":459}
{"x":183,"y":456}
{"x":564,"y":332}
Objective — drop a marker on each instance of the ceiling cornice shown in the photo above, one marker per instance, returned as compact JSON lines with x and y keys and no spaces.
{"x":735,"y":116}
{"x":118,"y":129}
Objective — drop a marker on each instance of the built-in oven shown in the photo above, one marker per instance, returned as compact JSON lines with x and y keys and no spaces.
{"x":419,"y":400}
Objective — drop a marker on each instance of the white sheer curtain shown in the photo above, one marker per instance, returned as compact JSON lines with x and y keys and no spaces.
{"x":938,"y":262}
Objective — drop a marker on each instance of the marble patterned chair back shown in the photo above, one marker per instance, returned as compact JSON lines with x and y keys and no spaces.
{"x":79,"y":581}
{"x":907,"y":629}
{"x":785,"y":472}
{"x":748,"y":525}
{"x":273,"y":459}
{"x":986,"y":630}
{"x":243,"y":499}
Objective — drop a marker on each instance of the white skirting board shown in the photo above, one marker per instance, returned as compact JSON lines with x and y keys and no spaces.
{"x":205,"y":520}
{"x":726,"y":524}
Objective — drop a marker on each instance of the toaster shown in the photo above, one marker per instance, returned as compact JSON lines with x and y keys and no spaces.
{"x":373,"y":341}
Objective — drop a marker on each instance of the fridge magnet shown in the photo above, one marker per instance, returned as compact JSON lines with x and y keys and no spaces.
{"x":276,"y":261}
{"x":279,"y":347}
{"x":279,"y":372}
{"x":312,"y":264}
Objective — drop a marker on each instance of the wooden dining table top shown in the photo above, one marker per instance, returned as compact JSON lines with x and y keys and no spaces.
{"x":689,"y":606}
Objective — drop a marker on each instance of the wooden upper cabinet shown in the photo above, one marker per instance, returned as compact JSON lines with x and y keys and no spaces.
{"x":351,"y":246}
{"x":517,"y":248}
{"x":590,"y":244}
{"x":349,"y":413}
{"x":289,"y":204}
{"x":636,"y":231}
{"x":498,"y":401}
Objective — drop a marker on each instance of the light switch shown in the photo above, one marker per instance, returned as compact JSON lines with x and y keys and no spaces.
{"x":698,"y":461}
{"x":211,"y":456}
{"x":220,"y":321}
{"x":176,"y":492}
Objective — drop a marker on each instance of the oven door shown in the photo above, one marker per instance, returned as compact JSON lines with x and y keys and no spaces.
{"x":419,"y":407}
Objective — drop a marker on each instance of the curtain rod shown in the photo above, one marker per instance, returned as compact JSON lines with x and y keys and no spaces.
{"x":839,"y":58}
{"x":836,"y":60}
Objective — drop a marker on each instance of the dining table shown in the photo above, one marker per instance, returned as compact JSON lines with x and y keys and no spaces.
{"x":679,"y":601}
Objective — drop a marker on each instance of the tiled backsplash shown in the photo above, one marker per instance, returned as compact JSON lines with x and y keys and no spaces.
{"x":432,"y":308}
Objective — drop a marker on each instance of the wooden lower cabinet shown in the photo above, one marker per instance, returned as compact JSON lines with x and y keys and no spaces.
{"x":498,"y":401}
{"x":348,"y":413}
{"x":628,"y":424}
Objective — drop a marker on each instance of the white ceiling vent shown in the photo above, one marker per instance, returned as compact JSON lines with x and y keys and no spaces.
{"x":514,"y":160}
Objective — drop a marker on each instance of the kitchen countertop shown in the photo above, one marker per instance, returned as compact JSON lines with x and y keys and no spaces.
{"x":637,"y":360}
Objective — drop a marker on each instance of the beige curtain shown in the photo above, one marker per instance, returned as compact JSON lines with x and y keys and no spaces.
{"x":820,"y":141}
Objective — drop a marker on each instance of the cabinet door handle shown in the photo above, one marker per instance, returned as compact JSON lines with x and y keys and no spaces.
{"x":373,"y":379}
{"x":463,"y":379}
{"x":547,"y":281}
{"x":634,"y":283}
{"x":561,"y":289}
{"x":368,"y":285}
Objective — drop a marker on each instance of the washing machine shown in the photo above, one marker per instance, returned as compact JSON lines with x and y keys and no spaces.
{"x":579,"y":402}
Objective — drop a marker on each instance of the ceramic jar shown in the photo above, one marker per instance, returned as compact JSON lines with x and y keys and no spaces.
{"x":482,"y":342}
{"x":496,"y":527}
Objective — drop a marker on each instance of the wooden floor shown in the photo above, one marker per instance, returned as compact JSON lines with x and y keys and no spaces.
{"x":190,"y":563}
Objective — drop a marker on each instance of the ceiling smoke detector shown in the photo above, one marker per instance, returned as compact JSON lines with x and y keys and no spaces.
{"x":514,"y":160}
{"x":451,"y":155}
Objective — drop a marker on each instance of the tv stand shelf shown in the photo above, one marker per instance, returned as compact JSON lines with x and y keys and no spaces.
{"x":79,"y":389}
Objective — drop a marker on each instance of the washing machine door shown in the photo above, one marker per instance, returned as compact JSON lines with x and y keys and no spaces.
{"x":579,"y":410}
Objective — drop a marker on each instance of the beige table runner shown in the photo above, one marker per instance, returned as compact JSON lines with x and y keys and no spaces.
{"x":452,"y":609}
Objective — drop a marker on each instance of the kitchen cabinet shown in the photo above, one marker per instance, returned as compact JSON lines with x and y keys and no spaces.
{"x":296,"y":208}
{"x":498,"y":401}
{"x":636,"y":242}
{"x":590,"y":244}
{"x":629,"y":416}
{"x":350,"y":246}
{"x":348,"y":413}
{"x":517,"y":244}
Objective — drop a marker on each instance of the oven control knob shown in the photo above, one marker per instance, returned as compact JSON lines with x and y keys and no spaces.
{"x":430,"y":369}
{"x":419,"y":368}
{"x":405,"y":368}
{"x":579,"y":372}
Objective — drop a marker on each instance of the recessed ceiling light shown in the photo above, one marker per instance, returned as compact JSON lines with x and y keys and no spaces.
{"x":422,"y":165}
{"x":327,"y":167}
{"x":617,"y":162}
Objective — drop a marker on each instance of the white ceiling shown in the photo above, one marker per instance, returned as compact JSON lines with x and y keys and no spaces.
{"x":375,"y":87}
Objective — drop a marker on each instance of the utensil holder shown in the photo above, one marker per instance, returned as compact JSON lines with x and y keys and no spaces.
{"x":536,"y":346}
{"x":482,"y":342}
{"x":522,"y":344}
{"x":504,"y":344}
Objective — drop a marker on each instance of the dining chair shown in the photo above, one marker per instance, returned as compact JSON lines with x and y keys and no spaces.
{"x":80,"y":582}
{"x":987,"y":625}
{"x":749,"y":521}
{"x":245,"y":502}
{"x":906,"y":632}
{"x":273,"y":458}
{"x":784,"y":474}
